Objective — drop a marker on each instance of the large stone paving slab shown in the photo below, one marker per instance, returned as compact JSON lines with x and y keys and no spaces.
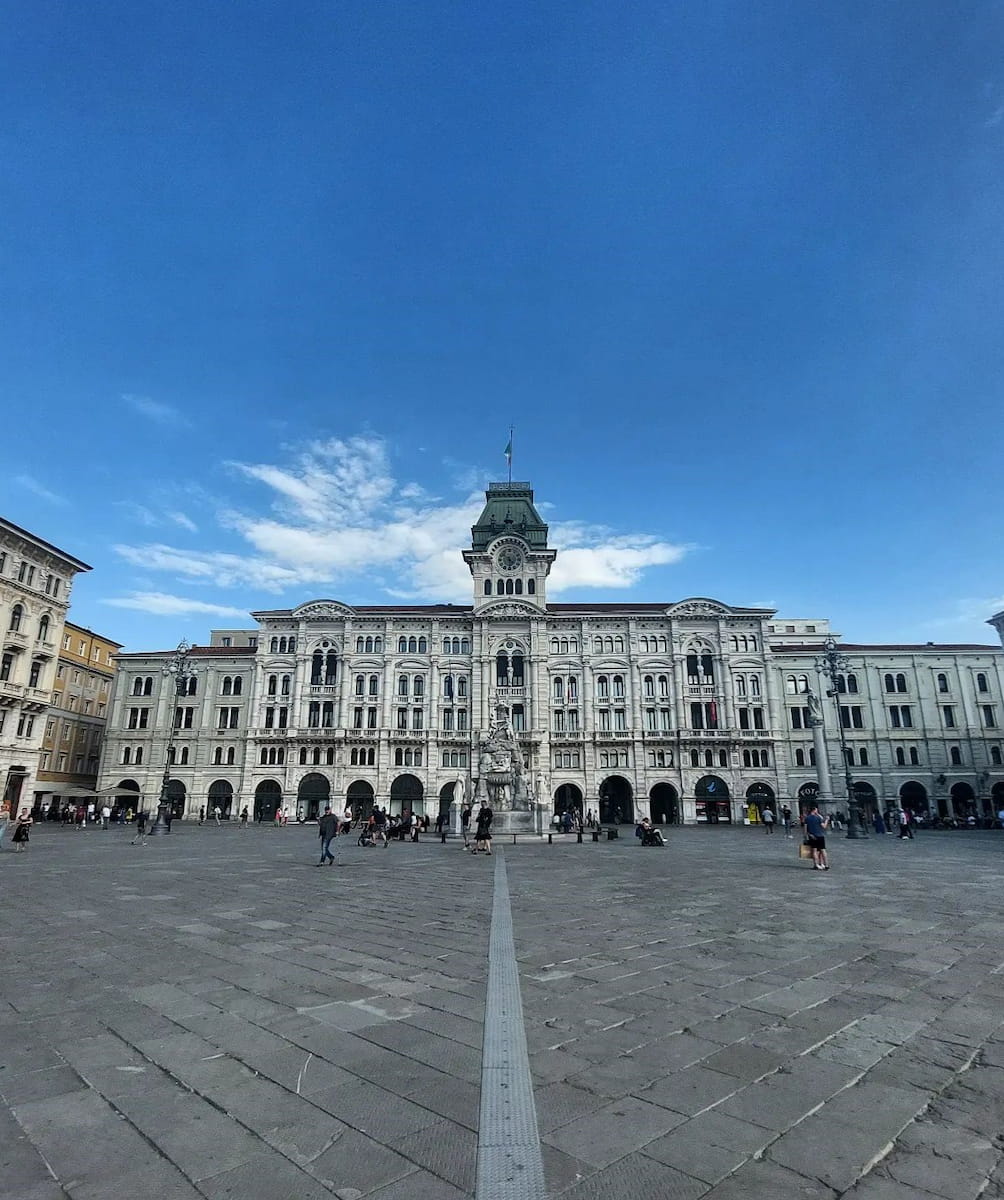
{"x":216,"y":1018}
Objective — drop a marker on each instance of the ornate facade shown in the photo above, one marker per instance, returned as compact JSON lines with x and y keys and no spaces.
{"x":35,"y":583}
{"x":690,"y":711}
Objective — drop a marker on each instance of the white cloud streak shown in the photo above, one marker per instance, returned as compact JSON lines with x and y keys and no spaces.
{"x":338,"y":513}
{"x":161,"y":604}
{"x":156,"y":410}
{"x":30,"y":484}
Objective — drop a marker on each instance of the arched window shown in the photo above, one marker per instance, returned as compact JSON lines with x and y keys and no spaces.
{"x":803,"y":684}
{"x":359,"y":645}
{"x":374,"y":685}
{"x":995,"y":755}
{"x":286,"y":681}
{"x":412,"y":645}
{"x":563,"y":646}
{"x":942,"y":683}
{"x":316,"y":756}
{"x":263,"y":757}
{"x":272,"y":685}
{"x":664,"y":686}
{"x":914,"y":757}
{"x":900,"y":756}
{"x":559,"y":690}
{"x":402,"y":685}
{"x":841,"y":684}
{"x":218,"y":756}
{"x":360,"y":685}
{"x":746,"y":756}
{"x":862,"y":757}
{"x":709,"y":758}
{"x":531,"y":587}
{"x":331,"y":669}
{"x":316,"y":668}
{"x":402,"y":645}
{"x":423,"y":646}
{"x":648,"y":684}
{"x":280,"y":756}
{"x":126,"y":755}
{"x":519,"y":587}
{"x":230,"y":756}
{"x":981,"y":679}
{"x":790,"y":685}
{"x":852,"y":684}
{"x":16,"y":615}
{"x":137,"y":686}
{"x":184,"y":756}
{"x":292,"y":644}
{"x":238,"y":684}
{"x":228,"y":683}
{"x":273,"y":646}
{"x":754,"y":685}
{"x":890,"y":683}
{"x":799,"y":758}
{"x":900,"y":683}
{"x":488,"y":587}
{"x":597,"y":645}
{"x":138,"y":760}
{"x":509,"y":587}
{"x":741,"y":686}
{"x":43,"y":634}
{"x":465,"y":646}
{"x":602,"y":687}
{"x":329,"y":755}
{"x":723,"y":758}
{"x":378,"y":645}
{"x":193,"y":684}
{"x":554,"y":645}
{"x":618,"y":687}
{"x":956,"y":754}
{"x":462,"y":687}
{"x":753,"y":642}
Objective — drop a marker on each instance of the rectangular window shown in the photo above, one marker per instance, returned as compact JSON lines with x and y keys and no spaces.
{"x":907,"y":714}
{"x":989,"y":716}
{"x":894,"y":720}
{"x":269,"y":718}
{"x":62,"y":762}
{"x":371,"y":718}
{"x":327,"y":714}
{"x":314,"y":715}
{"x":744,"y":718}
{"x":650,"y":724}
{"x":948,"y":712}
{"x":697,"y":716}
{"x":664,"y":725}
{"x":447,"y":720}
{"x":758,"y":718}
{"x":604,"y":715}
{"x":402,"y":718}
{"x":573,"y":720}
{"x":64,"y":735}
{"x":416,"y":718}
{"x":850,"y":716}
{"x":559,"y":720}
{"x":620,"y":720}
{"x":283,"y":717}
{"x":357,"y":718}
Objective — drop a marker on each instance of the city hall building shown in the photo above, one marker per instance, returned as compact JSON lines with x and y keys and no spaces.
{"x":692,"y":711}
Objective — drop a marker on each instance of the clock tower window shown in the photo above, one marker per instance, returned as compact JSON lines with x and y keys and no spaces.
{"x":488,"y":587}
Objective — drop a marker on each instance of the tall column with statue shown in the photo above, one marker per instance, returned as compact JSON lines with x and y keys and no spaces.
{"x":819,"y":746}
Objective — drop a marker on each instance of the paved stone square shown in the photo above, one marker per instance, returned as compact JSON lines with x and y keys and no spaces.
{"x":211,"y":1015}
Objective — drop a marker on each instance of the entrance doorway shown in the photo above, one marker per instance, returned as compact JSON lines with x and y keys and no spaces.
{"x":913,"y":798}
{"x":713,"y":802}
{"x":808,"y":795}
{"x":664,"y":804}
{"x":312,"y":795}
{"x":406,"y":795}
{"x":267,"y":800}
{"x":963,"y":800}
{"x":175,"y":797}
{"x":568,"y":798}
{"x":758,"y":797}
{"x":616,"y":801}
{"x":221,"y":796}
{"x":359,"y":797}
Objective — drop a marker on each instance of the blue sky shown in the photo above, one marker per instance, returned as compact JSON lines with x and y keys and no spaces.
{"x":275,"y":279}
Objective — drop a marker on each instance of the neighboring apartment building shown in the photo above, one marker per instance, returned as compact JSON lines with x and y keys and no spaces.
{"x":75,"y":722}
{"x":36,"y":579}
{"x":686,"y":711}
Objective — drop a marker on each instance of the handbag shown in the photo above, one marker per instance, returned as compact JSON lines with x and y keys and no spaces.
{"x":805,"y":850}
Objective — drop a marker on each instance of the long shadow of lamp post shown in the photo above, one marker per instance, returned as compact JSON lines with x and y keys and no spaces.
{"x":182,"y":674}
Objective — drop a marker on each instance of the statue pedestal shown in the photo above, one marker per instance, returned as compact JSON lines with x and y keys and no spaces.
{"x":509,"y":821}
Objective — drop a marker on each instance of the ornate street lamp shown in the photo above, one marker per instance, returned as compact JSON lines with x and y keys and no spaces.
{"x":833,"y":664}
{"x":178,"y":670}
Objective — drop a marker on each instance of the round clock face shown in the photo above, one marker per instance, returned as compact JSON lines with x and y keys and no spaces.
{"x":509,"y":559}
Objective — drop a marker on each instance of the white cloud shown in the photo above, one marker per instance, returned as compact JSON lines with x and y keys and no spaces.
{"x":179,"y":518}
{"x":971,"y":610}
{"x":339,"y":513}
{"x":156,"y":410}
{"x":161,"y":604}
{"x":37,"y":489}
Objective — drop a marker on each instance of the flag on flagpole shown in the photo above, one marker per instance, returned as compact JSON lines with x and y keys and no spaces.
{"x":508,"y":451}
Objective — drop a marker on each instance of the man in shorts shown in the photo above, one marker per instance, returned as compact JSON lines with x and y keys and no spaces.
{"x":815,"y":835}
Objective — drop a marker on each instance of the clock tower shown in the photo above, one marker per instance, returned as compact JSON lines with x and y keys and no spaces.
{"x":509,"y":557}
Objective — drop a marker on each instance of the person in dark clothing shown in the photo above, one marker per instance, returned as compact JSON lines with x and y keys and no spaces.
{"x":483,"y":834}
{"x":140,"y":828}
{"x":815,"y":835}
{"x":327,"y":831}
{"x":465,"y":823}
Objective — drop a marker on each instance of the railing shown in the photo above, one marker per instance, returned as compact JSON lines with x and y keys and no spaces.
{"x":11,"y":689}
{"x":511,"y":693}
{"x":14,"y":637}
{"x":322,"y":689}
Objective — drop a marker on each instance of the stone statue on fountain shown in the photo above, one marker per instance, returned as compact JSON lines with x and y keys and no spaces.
{"x":500,"y":766}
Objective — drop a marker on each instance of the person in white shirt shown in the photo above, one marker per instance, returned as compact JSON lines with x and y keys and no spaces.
{"x":106,"y":812}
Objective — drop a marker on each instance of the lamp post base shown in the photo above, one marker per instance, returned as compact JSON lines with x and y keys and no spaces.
{"x":161,"y":825}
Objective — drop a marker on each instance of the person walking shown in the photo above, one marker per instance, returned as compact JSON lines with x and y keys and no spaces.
{"x":346,"y":820}
{"x":21,"y":830}
{"x":244,"y":817}
{"x":483,"y":834}
{"x":815,"y":835}
{"x":768,"y":819}
{"x":465,"y":825}
{"x":904,"y":824}
{"x":4,"y":822}
{"x":140,"y":828}
{"x":327,"y":831}
{"x":216,"y":814}
{"x":786,"y":819}
{"x":106,"y":812}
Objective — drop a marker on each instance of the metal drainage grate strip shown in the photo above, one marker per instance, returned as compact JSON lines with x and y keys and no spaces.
{"x":510,"y":1166}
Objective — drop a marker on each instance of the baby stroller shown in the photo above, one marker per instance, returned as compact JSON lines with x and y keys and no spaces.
{"x":651,"y":837}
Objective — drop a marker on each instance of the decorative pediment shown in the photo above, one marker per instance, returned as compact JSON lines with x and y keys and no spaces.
{"x":698,"y":607}
{"x":509,"y":608}
{"x":323,"y":610}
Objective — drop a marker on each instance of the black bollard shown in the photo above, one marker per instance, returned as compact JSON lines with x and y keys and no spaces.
{"x":550,"y":839}
{"x":580,"y":837}
{"x":596,"y":835}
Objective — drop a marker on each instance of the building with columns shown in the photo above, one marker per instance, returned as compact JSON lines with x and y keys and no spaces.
{"x":694,"y":711}
{"x":36,"y":579}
